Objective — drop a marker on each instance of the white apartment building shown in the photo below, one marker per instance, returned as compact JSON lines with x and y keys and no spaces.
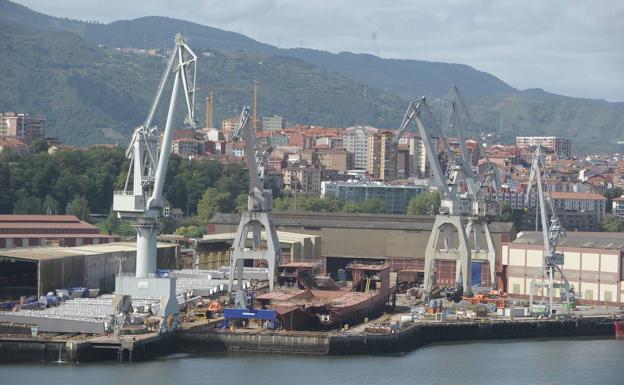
{"x":356,"y":141}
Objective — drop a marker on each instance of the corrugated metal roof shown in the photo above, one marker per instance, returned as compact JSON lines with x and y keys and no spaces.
{"x":38,"y":218}
{"x":44,"y":253}
{"x":590,"y":240}
{"x":346,"y":220}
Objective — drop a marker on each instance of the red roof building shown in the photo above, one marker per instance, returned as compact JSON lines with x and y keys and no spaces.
{"x":45,"y":230}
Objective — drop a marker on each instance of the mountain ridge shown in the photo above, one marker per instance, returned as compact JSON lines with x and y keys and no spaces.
{"x":499,"y":110}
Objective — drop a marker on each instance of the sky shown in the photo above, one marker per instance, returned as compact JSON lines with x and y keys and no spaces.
{"x":569,"y":47}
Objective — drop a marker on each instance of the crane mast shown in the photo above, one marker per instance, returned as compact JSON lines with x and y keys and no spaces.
{"x":142,"y":198}
{"x":545,"y":278}
{"x":258,"y":215}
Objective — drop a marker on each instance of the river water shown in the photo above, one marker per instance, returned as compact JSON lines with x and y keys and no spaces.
{"x":506,"y":362}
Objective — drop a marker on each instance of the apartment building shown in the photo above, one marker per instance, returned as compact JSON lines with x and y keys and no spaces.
{"x":381,"y":162}
{"x":273,"y":123}
{"x":396,"y":197}
{"x":305,"y":179}
{"x":562,"y":147}
{"x":355,"y":140}
{"x":21,"y":126}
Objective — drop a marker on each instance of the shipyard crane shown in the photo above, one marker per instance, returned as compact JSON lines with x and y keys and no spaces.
{"x":142,"y":198}
{"x":482,"y":206}
{"x":454,"y":203}
{"x":257,"y":216}
{"x":545,"y":277}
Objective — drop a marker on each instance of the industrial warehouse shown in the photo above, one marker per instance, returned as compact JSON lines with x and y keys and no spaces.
{"x":305,"y":283}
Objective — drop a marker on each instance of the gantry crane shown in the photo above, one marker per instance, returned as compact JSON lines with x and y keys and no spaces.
{"x":482,"y":206}
{"x":454,"y":203}
{"x":257,"y":216}
{"x":545,"y":277}
{"x":142,"y":197}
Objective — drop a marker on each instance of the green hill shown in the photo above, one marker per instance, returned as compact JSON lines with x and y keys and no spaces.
{"x":93,"y":95}
{"x":84,"y":88}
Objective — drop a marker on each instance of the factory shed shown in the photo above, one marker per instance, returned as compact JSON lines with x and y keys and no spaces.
{"x":38,"y":270}
{"x":593,"y":263}
{"x":399,"y":240}
{"x":213,"y":251}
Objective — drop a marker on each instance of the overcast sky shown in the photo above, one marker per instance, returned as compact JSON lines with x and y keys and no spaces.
{"x":569,"y":47}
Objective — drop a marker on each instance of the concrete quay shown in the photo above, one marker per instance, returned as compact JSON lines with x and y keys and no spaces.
{"x":203,"y":338}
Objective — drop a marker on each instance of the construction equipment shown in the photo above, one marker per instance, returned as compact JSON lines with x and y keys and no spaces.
{"x":482,"y":206}
{"x":247,"y":311}
{"x":454,"y":203}
{"x":545,"y":277}
{"x":257,"y":216}
{"x":142,"y":197}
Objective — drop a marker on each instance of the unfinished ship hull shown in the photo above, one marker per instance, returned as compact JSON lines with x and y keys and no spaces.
{"x":315,"y":309}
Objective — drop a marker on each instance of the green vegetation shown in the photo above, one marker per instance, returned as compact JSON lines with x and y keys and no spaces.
{"x":328,"y":204}
{"x":507,"y":214}
{"x":611,"y":194}
{"x":189,"y":231}
{"x":79,"y":206}
{"x":91,"y":94}
{"x":612,"y":223}
{"x":38,"y":183}
{"x":82,"y":182}
{"x":424,"y":204}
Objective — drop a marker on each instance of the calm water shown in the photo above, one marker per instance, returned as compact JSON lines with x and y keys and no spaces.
{"x":507,"y":362}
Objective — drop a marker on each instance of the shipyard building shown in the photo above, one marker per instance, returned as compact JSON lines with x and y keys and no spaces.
{"x":593,"y":263}
{"x":38,"y":270}
{"x":399,"y":240}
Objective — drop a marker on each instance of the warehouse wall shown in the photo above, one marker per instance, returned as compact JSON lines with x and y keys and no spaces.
{"x":595,"y":273}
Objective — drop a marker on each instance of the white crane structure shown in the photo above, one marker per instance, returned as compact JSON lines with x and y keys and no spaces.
{"x":545,"y":279}
{"x":477,"y":229}
{"x":258,"y":214}
{"x":142,"y":198}
{"x":448,"y":240}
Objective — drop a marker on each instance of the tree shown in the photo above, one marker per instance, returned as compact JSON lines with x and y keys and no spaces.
{"x":371,"y":206}
{"x":189,"y":231}
{"x":39,"y":145}
{"x":611,"y":194}
{"x":241,"y":202}
{"x":507,"y":214}
{"x":285,"y":203}
{"x":78,"y":206}
{"x":50,"y":206}
{"x":211,"y":203}
{"x":27,"y":205}
{"x":612,"y":223}
{"x":424,"y":204}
